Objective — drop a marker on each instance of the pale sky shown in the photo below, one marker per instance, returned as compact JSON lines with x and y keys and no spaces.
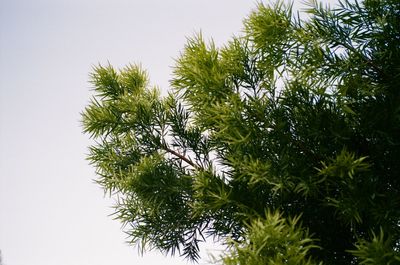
{"x":51,"y":212}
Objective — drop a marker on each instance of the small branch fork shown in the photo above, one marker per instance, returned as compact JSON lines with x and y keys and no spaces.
{"x":183,"y":158}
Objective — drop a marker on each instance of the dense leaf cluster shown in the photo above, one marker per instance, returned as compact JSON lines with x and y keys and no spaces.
{"x":284,"y":143}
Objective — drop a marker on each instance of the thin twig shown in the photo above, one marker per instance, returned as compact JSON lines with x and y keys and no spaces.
{"x":187,"y":160}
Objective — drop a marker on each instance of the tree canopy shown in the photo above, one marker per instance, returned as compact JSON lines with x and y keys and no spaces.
{"x":283,"y":144}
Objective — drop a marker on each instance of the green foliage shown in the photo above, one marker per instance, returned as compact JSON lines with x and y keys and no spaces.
{"x":283,"y":144}
{"x":272,"y":240}
{"x":379,"y":251}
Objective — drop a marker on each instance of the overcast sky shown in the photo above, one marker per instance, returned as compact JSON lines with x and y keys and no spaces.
{"x":51,"y":213}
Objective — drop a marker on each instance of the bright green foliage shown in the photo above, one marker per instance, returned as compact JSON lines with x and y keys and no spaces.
{"x":284,"y":143}
{"x":283,"y":242}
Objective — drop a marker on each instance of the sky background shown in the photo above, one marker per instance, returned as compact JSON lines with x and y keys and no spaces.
{"x":51,"y":212}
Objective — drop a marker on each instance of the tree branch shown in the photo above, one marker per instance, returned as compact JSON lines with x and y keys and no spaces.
{"x":187,"y":160}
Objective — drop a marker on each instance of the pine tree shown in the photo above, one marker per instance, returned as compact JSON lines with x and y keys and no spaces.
{"x":283,"y":144}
